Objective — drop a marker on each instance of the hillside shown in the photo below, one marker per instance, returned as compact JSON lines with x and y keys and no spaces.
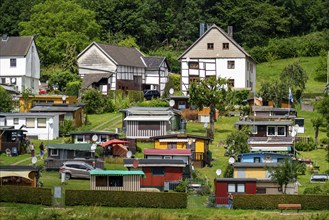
{"x":269,"y":72}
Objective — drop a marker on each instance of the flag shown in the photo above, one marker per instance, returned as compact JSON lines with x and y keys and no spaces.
{"x":290,"y":96}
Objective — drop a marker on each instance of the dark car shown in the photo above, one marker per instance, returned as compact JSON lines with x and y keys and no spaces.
{"x":149,"y":94}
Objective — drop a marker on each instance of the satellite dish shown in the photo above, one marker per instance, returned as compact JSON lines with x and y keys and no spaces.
{"x":171,"y":91}
{"x":193,"y":168}
{"x":293,"y":133}
{"x":296,"y":127}
{"x":205,"y":125}
{"x":13,"y":80}
{"x":51,"y":121}
{"x":129,"y":154}
{"x":93,"y":147}
{"x":64,"y":97}
{"x":172,"y":103}
{"x":34,"y":160}
{"x":94,"y":137}
{"x":231,"y":160}
{"x":218,"y":172}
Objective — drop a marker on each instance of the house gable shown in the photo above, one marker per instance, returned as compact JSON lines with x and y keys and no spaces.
{"x":95,"y":60}
{"x":217,"y":39}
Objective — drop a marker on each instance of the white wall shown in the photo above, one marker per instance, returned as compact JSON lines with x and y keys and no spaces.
{"x":41,"y":133}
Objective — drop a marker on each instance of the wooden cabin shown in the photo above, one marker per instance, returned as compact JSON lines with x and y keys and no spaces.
{"x":116,"y":180}
{"x":26,"y":104}
{"x":199,"y":146}
{"x":20,"y":175}
{"x":11,"y":139}
{"x":158,"y":172}
{"x":59,"y":153}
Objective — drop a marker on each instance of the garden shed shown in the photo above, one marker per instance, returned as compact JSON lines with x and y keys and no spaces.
{"x":115,"y":180}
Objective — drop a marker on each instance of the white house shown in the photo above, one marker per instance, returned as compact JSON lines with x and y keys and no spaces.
{"x":216,"y":53}
{"x":110,"y":67}
{"x":43,"y":126}
{"x":19,"y":63}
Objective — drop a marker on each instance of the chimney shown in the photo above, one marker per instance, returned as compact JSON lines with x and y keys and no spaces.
{"x":230,"y":31}
{"x":201,"y":29}
{"x":4,"y":37}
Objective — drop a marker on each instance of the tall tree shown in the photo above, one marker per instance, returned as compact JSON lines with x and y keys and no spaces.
{"x":295,"y":77}
{"x":57,"y":24}
{"x":317,"y":123}
{"x":322,"y":106}
{"x":209,"y":92}
{"x":275,"y":91}
{"x":6,"y":102}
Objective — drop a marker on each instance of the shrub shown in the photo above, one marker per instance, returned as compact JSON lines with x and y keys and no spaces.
{"x":125,"y":199}
{"x":309,"y":202}
{"x":300,"y":146}
{"x":23,"y":194}
{"x":313,"y":190}
{"x":182,"y":186}
{"x":66,"y":128}
{"x":153,"y":103}
{"x":73,"y":88}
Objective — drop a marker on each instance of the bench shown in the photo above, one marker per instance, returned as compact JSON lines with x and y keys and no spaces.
{"x":290,"y":206}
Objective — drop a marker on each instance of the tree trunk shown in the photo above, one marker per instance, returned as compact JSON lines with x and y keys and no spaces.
{"x":212,"y":119}
{"x":316,"y":129}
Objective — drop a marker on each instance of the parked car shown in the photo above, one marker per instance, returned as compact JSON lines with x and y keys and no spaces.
{"x":149,"y":94}
{"x":319,"y":178}
{"x":76,"y":169}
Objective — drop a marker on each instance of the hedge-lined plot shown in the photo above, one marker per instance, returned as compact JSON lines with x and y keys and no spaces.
{"x":126,"y":199}
{"x":21,"y":194}
{"x":308,"y":202}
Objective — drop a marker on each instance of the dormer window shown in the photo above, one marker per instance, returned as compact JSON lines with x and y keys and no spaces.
{"x":210,"y":46}
{"x":13,"y":62}
{"x":226,"y":46}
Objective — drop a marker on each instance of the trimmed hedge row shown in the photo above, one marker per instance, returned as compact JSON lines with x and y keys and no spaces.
{"x":126,"y":199}
{"x":22,"y":194}
{"x":309,"y":202}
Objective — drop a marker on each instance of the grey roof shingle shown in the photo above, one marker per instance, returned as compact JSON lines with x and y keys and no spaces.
{"x":153,"y":62}
{"x":123,"y":55}
{"x":89,"y":79}
{"x":254,"y":165}
{"x":15,"y":46}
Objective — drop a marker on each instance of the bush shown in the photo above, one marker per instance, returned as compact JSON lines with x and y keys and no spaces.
{"x":73,"y":88}
{"x":153,"y":103}
{"x":23,"y":194}
{"x":309,"y":202}
{"x":66,"y":128}
{"x":125,"y":199}
{"x":300,"y":146}
{"x":182,"y":186}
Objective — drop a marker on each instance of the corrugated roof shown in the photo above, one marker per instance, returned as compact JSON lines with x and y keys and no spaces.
{"x":30,"y":114}
{"x":271,"y":149}
{"x":15,"y":46}
{"x":236,"y":179}
{"x":179,"y":136}
{"x":264,"y":122}
{"x":148,"y":118}
{"x":117,"y":172}
{"x":56,"y":108}
{"x":80,"y":147}
{"x":155,"y":163}
{"x":94,"y":132}
{"x":123,"y":55}
{"x":255,"y":165}
{"x":20,"y":168}
{"x":271,"y":140}
{"x":184,"y":152}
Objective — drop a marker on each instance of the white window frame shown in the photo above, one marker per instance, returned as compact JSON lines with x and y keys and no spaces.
{"x":45,"y":124}
{"x":267,"y":128}
{"x":239,"y":189}
{"x":16,"y":121}
{"x":52,"y":152}
{"x":231,"y":186}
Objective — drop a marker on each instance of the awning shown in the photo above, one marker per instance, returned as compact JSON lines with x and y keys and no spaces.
{"x":24,"y":174}
{"x":270,"y":149}
{"x":113,"y":141}
{"x":174,"y":140}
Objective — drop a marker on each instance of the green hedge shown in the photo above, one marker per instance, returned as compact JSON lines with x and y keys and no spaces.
{"x":309,"y":202}
{"x":125,"y":199}
{"x":25,"y":194}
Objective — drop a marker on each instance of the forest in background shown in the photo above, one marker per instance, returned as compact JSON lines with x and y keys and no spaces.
{"x":63,"y":28}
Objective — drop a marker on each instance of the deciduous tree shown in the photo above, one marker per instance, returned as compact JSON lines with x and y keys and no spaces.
{"x":209,"y":92}
{"x":6,"y":102}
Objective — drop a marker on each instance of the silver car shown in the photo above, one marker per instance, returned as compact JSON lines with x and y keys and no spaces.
{"x":76,"y":169}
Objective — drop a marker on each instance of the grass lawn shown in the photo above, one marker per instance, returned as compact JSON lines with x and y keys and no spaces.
{"x":267,"y":72}
{"x":35,"y":212}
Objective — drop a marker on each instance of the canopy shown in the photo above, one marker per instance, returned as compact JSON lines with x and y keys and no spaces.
{"x":270,"y":148}
{"x":113,"y":141}
{"x":24,"y":174}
